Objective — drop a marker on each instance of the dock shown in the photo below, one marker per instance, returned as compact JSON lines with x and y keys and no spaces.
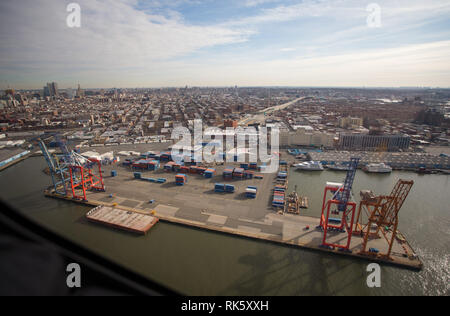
{"x":125,"y":220}
{"x":11,"y":161}
{"x":196,"y":205}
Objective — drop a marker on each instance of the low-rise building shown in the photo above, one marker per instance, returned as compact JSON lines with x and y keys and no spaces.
{"x":351,"y":122}
{"x":303,"y":137}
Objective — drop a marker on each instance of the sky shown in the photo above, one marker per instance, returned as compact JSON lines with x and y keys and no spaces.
{"x":162,"y":43}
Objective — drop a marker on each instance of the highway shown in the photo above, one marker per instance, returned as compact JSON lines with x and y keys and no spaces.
{"x":260,"y":116}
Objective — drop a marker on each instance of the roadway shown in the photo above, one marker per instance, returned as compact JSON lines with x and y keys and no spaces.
{"x":261,"y":115}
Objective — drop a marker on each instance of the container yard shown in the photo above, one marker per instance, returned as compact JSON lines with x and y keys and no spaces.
{"x":235,"y":198}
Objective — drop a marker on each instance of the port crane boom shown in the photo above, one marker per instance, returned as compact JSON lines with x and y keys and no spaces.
{"x":342,"y":196}
{"x":70,"y":171}
{"x":382,"y":214}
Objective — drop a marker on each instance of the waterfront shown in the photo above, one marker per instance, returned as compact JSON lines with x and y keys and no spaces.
{"x":201,"y":263}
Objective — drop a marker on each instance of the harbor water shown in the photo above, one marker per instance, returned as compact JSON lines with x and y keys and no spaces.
{"x":196,"y":262}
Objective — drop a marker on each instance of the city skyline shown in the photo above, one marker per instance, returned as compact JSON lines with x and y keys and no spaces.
{"x":275,"y":43}
{"x":131,"y":88}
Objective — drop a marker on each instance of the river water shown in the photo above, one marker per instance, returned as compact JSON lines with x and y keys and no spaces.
{"x":197,"y":262}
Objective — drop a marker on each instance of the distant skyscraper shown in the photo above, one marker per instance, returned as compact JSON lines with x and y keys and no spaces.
{"x":51,"y":90}
{"x":46,"y":91}
{"x":70,"y":93}
{"x":55,"y":88}
{"x":79,"y":92}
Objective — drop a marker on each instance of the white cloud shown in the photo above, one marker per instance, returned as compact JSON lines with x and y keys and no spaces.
{"x":411,"y":65}
{"x":399,"y":10}
{"x":119,"y":45}
{"x":114,"y":34}
{"x":255,"y":3}
{"x":288,"y":49}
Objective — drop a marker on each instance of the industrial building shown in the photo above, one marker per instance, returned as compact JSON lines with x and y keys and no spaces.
{"x":302,"y":137}
{"x":402,"y":161}
{"x":374,"y":142}
{"x":351,"y":122}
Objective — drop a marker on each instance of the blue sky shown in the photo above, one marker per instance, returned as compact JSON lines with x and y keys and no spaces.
{"x":154,"y":43}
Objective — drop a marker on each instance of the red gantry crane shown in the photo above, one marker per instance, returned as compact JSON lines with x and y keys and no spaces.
{"x":341,"y":199}
{"x":72,"y":174}
{"x":382,"y":213}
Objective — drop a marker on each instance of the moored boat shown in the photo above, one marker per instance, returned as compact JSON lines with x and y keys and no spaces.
{"x":377,"y":168}
{"x":339,"y":167}
{"x":309,"y":166}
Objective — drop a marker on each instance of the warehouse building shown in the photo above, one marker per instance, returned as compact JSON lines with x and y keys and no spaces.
{"x":373,"y":142}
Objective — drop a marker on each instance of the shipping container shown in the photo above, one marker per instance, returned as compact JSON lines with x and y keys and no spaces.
{"x":219,"y":187}
{"x":249,"y":174}
{"x":251,"y":192}
{"x":228,"y":173}
{"x":244,"y":166}
{"x":238,"y":173}
{"x":209,"y":173}
{"x":230,"y":188}
{"x":180,"y":179}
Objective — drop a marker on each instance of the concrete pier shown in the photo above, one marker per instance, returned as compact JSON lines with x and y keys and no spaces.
{"x":197,"y":205}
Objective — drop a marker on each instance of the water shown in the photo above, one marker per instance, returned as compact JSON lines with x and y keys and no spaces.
{"x":197,"y":262}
